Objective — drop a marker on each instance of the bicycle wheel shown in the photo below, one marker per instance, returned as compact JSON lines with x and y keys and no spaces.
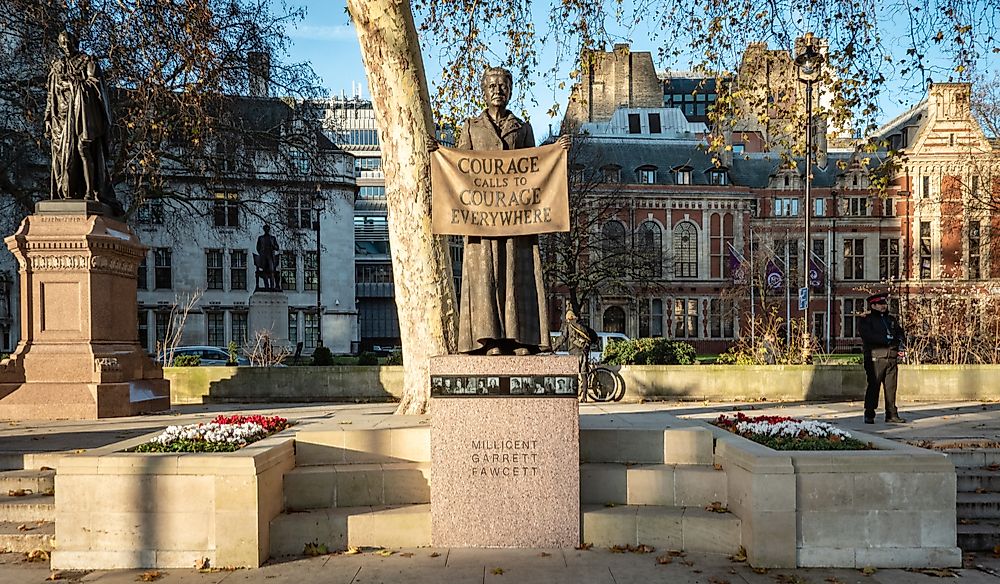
{"x":602,"y":385}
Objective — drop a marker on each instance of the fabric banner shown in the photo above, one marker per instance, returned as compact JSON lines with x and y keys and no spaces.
{"x":737,"y":267}
{"x":499,"y":193}
{"x":774,"y":278}
{"x":816,"y":276}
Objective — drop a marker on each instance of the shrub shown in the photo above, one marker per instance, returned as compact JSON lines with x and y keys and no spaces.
{"x":368,"y":358}
{"x":187,"y":360}
{"x":234,"y":352}
{"x":735,"y":356}
{"x":396,"y":358}
{"x":322,"y":357}
{"x":650,"y":352}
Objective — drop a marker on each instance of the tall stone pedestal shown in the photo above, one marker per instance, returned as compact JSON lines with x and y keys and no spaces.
{"x":269,"y":311}
{"x":505,"y":454}
{"x":79,"y":356}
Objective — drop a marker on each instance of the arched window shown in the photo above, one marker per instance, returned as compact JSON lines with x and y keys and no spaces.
{"x":614,"y":320}
{"x":613,"y":239}
{"x":650,"y":250}
{"x":685,"y":250}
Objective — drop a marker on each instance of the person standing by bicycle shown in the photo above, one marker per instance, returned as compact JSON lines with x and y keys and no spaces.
{"x":577,"y":338}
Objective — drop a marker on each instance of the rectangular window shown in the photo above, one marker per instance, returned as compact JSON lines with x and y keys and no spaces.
{"x":686,"y":318}
{"x":226,"y":210}
{"x":216,"y":328}
{"x":656,"y":318}
{"x":238,"y":269}
{"x":142,"y":275}
{"x":611,"y":174}
{"x":634,"y":124}
{"x":788,"y":251}
{"x":142,"y":322}
{"x":888,"y":207}
{"x":786,"y":207}
{"x":739,"y":148}
{"x":300,"y":212}
{"x":214,"y":265}
{"x":289,"y":279}
{"x":310,"y":271}
{"x":888,"y":259}
{"x":162,"y":324}
{"x":720,"y":319}
{"x":643,"y":318}
{"x":925,"y":250}
{"x":162,"y":276}
{"x":925,"y":186}
{"x":366,"y":164}
{"x":240,"y":327}
{"x":718,"y":177}
{"x":854,"y":259}
{"x":311,"y":330}
{"x":151,"y":212}
{"x":682,"y":177}
{"x":974,"y":186}
{"x":857,"y":206}
{"x":646,"y":176}
{"x":293,"y":327}
{"x":654,"y":123}
{"x":854,"y":309}
{"x":371,"y":192}
{"x":819,"y":207}
{"x":975,"y":251}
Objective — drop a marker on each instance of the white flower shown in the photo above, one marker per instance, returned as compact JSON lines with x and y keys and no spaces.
{"x":212,"y":432}
{"x":791,"y":429}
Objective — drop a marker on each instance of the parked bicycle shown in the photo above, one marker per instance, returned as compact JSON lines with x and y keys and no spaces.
{"x":599,"y":383}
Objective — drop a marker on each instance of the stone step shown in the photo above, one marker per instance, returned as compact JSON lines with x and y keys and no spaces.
{"x":973,"y":457}
{"x":970,"y":479}
{"x":373,"y":446}
{"x":340,"y":528}
{"x":983,"y":535}
{"x":38,"y":481}
{"x":357,"y":485}
{"x":977,"y":505}
{"x":30,"y":460}
{"x":654,"y":484}
{"x":26,"y":537}
{"x":34,"y":507}
{"x":691,"y":529}
{"x":647,"y":446}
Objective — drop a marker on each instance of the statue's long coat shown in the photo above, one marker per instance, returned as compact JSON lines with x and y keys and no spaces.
{"x":503,"y":298}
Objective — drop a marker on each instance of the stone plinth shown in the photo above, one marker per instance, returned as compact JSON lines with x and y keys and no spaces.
{"x":505,"y":468}
{"x":79,"y":354}
{"x":269,"y":311}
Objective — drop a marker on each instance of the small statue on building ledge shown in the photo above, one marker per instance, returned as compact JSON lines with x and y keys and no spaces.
{"x":265,"y":262}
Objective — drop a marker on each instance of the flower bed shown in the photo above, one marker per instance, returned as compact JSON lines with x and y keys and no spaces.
{"x":784,"y":433}
{"x":222,"y":434}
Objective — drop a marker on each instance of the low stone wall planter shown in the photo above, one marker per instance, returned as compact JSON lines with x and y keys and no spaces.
{"x":118,"y":509}
{"x":888,"y":508}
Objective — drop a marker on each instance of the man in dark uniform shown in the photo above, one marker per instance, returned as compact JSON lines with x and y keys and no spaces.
{"x":883,"y":339}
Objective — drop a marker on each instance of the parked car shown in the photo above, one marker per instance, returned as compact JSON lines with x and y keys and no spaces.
{"x":210,"y":356}
{"x":596,"y":350}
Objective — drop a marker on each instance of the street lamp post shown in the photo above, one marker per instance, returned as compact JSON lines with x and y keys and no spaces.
{"x":809,"y":63}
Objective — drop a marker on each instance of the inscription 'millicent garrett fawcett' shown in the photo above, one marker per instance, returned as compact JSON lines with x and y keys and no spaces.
{"x":505,"y":458}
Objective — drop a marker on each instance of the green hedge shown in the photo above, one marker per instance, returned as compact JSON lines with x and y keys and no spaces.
{"x":322,"y":356}
{"x":650,"y":352}
{"x":187,"y":361}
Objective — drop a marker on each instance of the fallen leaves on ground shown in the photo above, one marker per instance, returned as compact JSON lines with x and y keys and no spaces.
{"x":833,"y":580}
{"x":790,"y":579}
{"x":967,"y":521}
{"x":55,"y":576}
{"x":315,"y":549}
{"x":717,"y":466}
{"x":584,"y":546}
{"x":618,"y":549}
{"x":352,"y":551}
{"x":37,"y":556}
{"x":740,"y":555}
{"x":497,"y":571}
{"x":718,"y":581}
{"x":151,"y":576}
{"x":980,"y":490}
{"x":544,"y":554}
{"x":406,"y":555}
{"x":635,"y":549}
{"x":868,"y":570}
{"x":435,"y":554}
{"x":664,"y":559}
{"x":717,"y":507}
{"x":936,"y":572}
{"x":384,"y":553}
{"x":19,"y":492}
{"x":202,"y":564}
{"x":759,"y":570}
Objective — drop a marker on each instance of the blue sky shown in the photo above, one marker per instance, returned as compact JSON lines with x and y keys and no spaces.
{"x":327,"y":40}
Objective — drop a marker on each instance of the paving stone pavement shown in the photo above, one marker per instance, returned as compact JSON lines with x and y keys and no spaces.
{"x":937,"y":422}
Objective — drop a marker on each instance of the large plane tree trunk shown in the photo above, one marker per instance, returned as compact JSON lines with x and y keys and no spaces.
{"x":421,"y":264}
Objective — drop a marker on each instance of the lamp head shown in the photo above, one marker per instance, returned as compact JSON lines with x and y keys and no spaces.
{"x":810,"y":61}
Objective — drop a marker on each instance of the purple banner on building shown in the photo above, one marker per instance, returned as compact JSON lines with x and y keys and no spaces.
{"x":737,"y":266}
{"x":816,"y":275}
{"x":775,"y":279}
